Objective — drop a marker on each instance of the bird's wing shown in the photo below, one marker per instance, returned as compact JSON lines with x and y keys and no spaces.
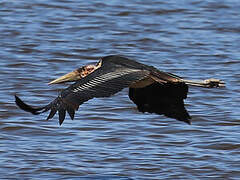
{"x":165,"y":98}
{"x":103,"y":82}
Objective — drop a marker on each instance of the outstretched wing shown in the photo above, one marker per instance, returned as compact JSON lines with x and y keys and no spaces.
{"x":103,"y":82}
{"x":162,"y":98}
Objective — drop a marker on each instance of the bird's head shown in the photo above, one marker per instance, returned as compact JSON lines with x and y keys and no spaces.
{"x":77,"y":74}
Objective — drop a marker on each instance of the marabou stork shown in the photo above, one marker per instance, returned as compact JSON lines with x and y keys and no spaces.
{"x":152,"y":90}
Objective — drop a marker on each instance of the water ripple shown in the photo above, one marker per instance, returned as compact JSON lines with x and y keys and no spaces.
{"x":110,"y":139}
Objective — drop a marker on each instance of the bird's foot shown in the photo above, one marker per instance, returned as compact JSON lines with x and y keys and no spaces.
{"x":213,"y":83}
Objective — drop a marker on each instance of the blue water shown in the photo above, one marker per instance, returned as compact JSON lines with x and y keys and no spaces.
{"x":109,"y":139}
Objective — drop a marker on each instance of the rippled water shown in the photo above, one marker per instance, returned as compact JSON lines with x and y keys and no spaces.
{"x":40,"y":40}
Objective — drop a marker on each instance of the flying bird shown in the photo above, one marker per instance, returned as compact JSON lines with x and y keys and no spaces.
{"x":152,"y":90}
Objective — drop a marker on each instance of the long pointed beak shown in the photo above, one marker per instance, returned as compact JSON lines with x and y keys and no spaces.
{"x":77,"y":74}
{"x":72,"y":76}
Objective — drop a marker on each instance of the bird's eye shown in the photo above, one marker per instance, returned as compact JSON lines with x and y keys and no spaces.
{"x":80,"y":69}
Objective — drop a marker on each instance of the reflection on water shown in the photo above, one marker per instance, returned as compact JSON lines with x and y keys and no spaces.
{"x":41,"y":40}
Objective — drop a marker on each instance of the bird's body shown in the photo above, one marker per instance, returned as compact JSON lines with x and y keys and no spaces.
{"x":151,"y":90}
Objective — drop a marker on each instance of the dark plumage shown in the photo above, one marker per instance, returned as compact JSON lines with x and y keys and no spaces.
{"x":151,"y":90}
{"x":162,"y":99}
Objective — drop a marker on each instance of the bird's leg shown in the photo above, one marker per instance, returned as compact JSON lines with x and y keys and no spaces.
{"x":208,"y":83}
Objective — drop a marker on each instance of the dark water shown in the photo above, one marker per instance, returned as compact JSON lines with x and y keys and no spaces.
{"x":40,"y":40}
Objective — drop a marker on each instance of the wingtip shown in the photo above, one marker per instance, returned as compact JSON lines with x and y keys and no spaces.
{"x":71,"y":112}
{"x":60,"y":122}
{"x":16,"y":97}
{"x":62,"y":115}
{"x":28,"y":108}
{"x":187,"y":120}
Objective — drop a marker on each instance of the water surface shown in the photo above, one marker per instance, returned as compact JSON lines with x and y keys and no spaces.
{"x":41,"y":40}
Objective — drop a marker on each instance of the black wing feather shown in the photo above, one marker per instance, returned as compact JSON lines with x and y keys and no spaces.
{"x":62,"y":114}
{"x":71,"y":112}
{"x":26,"y":107}
{"x":167,"y":99}
{"x":52,"y":113}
